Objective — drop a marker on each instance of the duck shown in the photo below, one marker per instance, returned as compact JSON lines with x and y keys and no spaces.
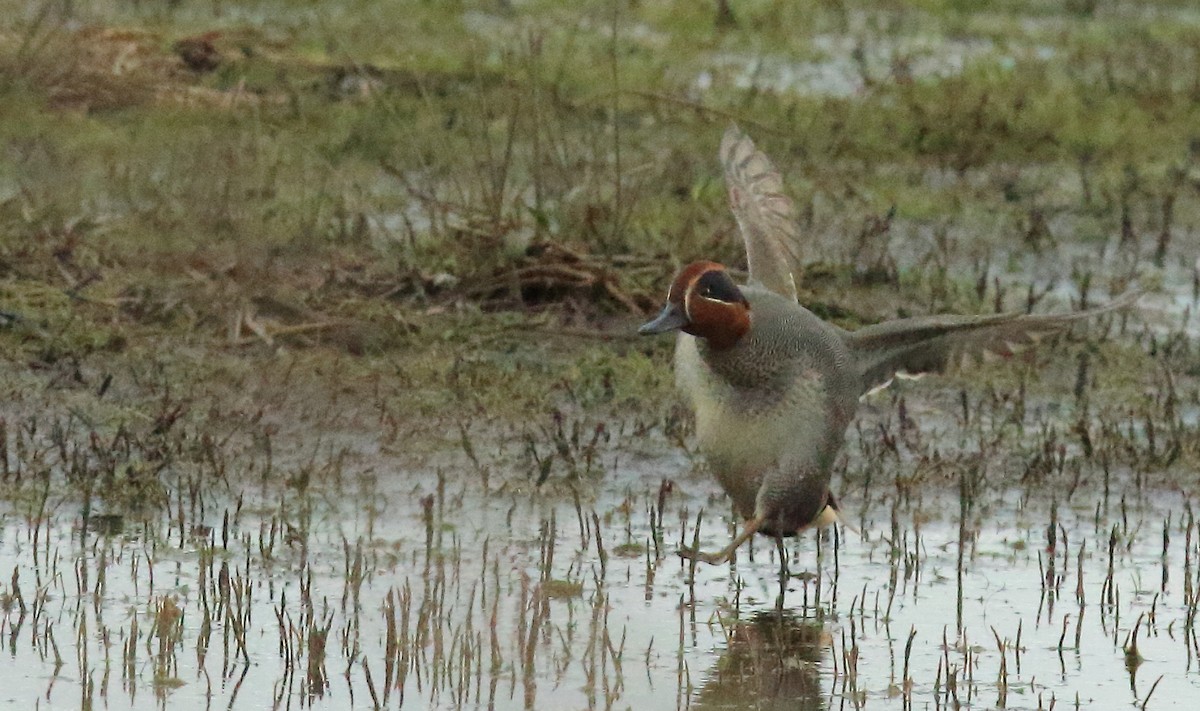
{"x":774,"y":387}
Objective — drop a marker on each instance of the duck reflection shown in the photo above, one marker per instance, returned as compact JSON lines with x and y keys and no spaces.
{"x":773,"y":661}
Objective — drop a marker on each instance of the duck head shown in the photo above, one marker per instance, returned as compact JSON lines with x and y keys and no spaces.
{"x":703,"y":301}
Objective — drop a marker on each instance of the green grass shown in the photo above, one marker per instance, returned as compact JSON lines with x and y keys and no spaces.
{"x":363,"y":180}
{"x":384,"y":264}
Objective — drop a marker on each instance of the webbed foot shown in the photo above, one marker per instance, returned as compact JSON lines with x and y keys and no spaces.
{"x":726,"y":553}
{"x":689,"y":553}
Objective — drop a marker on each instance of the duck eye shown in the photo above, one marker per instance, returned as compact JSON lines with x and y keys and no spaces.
{"x":716,"y":286}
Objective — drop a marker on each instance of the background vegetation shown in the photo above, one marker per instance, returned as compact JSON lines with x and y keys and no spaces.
{"x":279,"y":276}
{"x":329,"y":173}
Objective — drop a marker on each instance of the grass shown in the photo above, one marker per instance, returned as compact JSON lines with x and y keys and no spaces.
{"x":430,"y":166}
{"x":405,"y":213}
{"x":235,"y":299}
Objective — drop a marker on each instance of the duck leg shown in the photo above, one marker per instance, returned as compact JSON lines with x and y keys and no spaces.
{"x":784,"y":573}
{"x":726,"y":553}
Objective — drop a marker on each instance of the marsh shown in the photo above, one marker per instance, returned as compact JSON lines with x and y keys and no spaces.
{"x":320,"y":383}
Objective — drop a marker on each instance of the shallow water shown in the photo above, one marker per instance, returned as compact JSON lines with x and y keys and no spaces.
{"x":365,"y":575}
{"x":503,"y":600}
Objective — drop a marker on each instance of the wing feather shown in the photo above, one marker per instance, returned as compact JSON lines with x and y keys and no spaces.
{"x":765,"y":215}
{"x":929,"y":344}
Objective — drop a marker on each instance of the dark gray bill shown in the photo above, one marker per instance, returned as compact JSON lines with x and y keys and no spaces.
{"x":672,"y":318}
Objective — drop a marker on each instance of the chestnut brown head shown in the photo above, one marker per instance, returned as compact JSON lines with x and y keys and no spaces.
{"x":704,"y":302}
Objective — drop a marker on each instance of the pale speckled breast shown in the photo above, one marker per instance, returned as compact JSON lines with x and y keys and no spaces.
{"x":742,"y":435}
{"x":779,"y":401}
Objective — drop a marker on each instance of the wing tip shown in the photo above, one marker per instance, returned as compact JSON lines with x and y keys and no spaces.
{"x":1125,"y":300}
{"x":733,"y":141}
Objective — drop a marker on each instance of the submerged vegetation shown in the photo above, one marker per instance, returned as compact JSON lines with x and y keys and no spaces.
{"x":318,"y":381}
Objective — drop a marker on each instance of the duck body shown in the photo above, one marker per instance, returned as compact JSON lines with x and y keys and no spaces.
{"x":771,"y":410}
{"x":773,"y":386}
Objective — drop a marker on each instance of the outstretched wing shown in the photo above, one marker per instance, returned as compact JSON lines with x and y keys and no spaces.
{"x":765,"y":215}
{"x":928,"y":344}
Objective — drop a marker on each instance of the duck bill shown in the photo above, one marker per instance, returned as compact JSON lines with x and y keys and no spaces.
{"x":671,"y":318}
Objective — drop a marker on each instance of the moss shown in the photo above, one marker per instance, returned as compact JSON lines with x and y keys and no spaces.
{"x":562,"y":589}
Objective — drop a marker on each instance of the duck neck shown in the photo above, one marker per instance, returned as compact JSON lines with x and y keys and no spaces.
{"x":744,"y":363}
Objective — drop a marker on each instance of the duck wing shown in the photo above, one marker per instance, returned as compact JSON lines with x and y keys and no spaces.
{"x":765,"y":216}
{"x":928,"y":344}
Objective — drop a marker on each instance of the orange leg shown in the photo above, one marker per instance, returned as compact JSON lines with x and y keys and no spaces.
{"x":726,"y":553}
